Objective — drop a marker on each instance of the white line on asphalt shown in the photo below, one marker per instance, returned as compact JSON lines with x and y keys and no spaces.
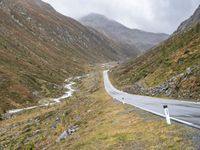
{"x":159,"y":114}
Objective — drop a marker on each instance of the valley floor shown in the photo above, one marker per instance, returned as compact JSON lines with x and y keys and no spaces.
{"x":100,"y":122}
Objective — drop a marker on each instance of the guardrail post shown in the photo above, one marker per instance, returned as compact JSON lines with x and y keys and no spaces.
{"x":166,"y":111}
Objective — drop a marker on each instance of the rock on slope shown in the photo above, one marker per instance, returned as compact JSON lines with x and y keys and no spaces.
{"x":39,"y":48}
{"x":171,"y":69}
{"x":132,"y":39}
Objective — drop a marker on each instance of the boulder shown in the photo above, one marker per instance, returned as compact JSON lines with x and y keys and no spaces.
{"x":67,"y":133}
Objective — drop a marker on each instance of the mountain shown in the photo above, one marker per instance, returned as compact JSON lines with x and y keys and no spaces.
{"x":193,"y":20}
{"x":171,"y":69}
{"x":133,"y":39}
{"x":39,"y":48}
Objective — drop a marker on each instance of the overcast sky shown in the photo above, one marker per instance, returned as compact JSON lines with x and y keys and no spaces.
{"x":149,"y":15}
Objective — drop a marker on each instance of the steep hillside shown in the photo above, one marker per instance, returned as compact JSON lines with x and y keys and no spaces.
{"x":39,"y":48}
{"x":134,"y":40}
{"x":193,"y":20}
{"x":172,"y":69}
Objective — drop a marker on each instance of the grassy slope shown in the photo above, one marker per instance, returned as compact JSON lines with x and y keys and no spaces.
{"x":167,"y":60}
{"x":40,"y":48}
{"x":103,"y":124}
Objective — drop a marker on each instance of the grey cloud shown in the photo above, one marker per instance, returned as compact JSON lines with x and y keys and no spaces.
{"x":150,"y":15}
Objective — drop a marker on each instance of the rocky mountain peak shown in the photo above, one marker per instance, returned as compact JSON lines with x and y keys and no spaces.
{"x":135,"y":40}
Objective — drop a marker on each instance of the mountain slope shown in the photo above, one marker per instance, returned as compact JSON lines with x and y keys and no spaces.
{"x":135,"y":40}
{"x":193,"y":20}
{"x":171,"y":69}
{"x":39,"y":48}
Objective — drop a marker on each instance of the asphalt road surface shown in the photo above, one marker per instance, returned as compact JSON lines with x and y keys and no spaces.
{"x":181,"y":111}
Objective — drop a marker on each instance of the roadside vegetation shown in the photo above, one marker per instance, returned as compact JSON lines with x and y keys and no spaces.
{"x":102,"y":124}
{"x":171,"y":69}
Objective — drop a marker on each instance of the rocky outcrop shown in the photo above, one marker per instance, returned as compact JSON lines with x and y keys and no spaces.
{"x":170,"y":88}
{"x":67,"y":133}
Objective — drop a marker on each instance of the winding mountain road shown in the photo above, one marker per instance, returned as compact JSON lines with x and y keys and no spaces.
{"x":181,"y":111}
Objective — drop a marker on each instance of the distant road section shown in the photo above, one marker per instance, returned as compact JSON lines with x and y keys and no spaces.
{"x":181,"y":111}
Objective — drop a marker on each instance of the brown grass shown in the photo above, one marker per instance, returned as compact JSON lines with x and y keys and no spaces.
{"x":103,"y":124}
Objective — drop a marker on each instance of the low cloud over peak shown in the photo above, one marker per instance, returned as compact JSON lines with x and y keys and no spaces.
{"x":150,"y":15}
